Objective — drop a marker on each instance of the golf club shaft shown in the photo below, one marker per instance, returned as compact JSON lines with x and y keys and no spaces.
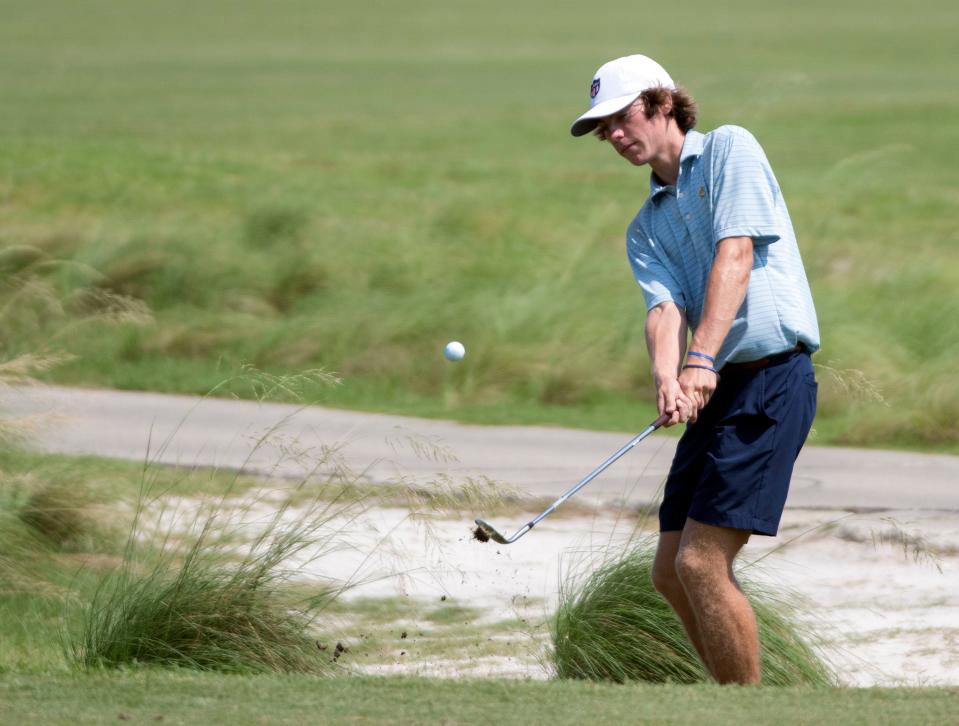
{"x":589,"y":477}
{"x":599,"y":470}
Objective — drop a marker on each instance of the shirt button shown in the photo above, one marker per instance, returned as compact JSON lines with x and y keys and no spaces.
{"x":689,"y":216}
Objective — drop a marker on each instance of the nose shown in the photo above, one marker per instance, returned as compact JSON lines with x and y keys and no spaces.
{"x":614,"y":131}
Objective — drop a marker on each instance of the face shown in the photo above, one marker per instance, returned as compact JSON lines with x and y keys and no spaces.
{"x":634,"y":137}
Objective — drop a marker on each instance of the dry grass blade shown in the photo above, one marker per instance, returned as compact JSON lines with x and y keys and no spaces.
{"x":294,"y":387}
{"x":854,"y":384}
{"x":425,"y":448}
{"x":21,"y":370}
{"x":912,"y":544}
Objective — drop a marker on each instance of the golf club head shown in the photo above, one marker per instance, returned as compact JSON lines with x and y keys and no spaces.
{"x":487,"y":529}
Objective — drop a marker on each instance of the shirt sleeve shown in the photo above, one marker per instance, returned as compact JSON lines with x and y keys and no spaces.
{"x":743,"y":189}
{"x":656,"y":281}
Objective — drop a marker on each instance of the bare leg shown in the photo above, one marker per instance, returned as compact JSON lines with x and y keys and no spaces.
{"x":667,"y":583}
{"x":726,"y":622}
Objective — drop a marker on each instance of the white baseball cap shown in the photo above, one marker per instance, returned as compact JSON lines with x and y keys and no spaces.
{"x":616,"y":85}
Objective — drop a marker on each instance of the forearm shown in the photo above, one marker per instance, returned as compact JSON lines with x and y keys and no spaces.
{"x":725,"y":291}
{"x":666,"y":340}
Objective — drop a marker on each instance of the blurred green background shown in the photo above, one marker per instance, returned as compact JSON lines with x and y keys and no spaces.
{"x":350,"y":185}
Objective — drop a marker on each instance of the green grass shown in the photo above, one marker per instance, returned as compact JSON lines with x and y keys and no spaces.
{"x":40,"y":585}
{"x":47,"y":586}
{"x":204,"y":584}
{"x":94,"y":572}
{"x":109,"y":484}
{"x":118,"y":565}
{"x":301,"y":185}
{"x":182,"y":697}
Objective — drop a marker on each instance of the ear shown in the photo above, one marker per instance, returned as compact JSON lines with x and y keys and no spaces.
{"x":666,"y":108}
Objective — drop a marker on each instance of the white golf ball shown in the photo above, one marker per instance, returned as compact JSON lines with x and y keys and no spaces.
{"x":454,"y":350}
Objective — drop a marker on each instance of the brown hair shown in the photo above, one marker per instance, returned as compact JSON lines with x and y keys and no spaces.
{"x":684,"y":107}
{"x":683,"y":110}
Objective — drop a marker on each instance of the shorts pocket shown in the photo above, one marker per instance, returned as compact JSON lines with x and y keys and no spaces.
{"x":747,"y":417}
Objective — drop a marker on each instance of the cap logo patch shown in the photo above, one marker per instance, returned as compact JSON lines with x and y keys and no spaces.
{"x":594,"y":89}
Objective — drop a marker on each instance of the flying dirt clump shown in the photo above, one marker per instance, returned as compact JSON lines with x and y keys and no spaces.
{"x":480,"y":534}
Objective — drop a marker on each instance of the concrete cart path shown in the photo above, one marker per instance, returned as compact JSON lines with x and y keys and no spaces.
{"x":262,"y":437}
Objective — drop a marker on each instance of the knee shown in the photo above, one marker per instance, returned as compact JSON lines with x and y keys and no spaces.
{"x":693,"y":567}
{"x":665,"y":578}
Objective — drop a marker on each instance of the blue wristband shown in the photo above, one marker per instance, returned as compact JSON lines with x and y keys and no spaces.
{"x":702,"y":355}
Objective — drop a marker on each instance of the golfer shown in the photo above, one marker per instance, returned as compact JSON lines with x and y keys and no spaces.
{"x":714,"y":253}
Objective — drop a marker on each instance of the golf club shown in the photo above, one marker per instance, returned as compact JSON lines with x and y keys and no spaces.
{"x":485,"y":531}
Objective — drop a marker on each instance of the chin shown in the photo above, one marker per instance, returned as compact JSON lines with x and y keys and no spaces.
{"x":635,"y":158}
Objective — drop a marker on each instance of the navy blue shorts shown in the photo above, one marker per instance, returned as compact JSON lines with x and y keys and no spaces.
{"x":732,"y":467}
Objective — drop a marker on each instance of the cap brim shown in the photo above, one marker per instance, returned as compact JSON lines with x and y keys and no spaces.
{"x":588,"y":121}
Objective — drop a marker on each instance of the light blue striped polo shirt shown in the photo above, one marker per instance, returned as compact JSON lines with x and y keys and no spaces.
{"x":725,"y":188}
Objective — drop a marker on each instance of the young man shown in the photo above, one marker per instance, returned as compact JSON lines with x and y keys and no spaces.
{"x":713,"y":248}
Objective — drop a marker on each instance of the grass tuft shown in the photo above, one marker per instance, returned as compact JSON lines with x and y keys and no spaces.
{"x":203,"y":617}
{"x":215,"y":600}
{"x":205,"y":582}
{"x":59,"y":510}
{"x":612,"y":625}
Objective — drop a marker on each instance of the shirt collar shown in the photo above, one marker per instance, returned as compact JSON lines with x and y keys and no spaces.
{"x":692,"y":147}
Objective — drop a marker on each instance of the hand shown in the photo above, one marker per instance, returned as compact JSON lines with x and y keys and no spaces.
{"x":673,"y":403}
{"x":698,"y":385}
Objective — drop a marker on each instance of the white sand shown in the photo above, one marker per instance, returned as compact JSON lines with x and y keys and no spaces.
{"x":891,"y":615}
{"x":881,"y":588}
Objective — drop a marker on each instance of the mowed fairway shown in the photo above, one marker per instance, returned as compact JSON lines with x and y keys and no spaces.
{"x":215,"y":699}
{"x":351,"y":185}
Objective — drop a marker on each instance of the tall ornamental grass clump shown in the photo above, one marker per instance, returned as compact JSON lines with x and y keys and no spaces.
{"x":208,"y":586}
{"x":612,"y":625}
{"x":216,"y":604}
{"x":202,"y":617}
